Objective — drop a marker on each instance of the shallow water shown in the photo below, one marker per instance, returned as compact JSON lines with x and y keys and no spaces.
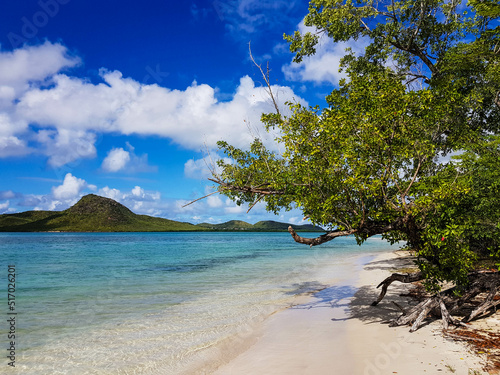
{"x":153,"y":303}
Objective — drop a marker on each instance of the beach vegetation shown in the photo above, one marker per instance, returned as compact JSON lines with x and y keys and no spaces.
{"x":407,"y":146}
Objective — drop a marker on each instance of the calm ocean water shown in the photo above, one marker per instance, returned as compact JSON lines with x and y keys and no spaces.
{"x":153,"y":303}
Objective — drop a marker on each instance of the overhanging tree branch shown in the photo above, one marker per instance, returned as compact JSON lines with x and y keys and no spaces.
{"x":368,"y":229}
{"x":321,"y":239}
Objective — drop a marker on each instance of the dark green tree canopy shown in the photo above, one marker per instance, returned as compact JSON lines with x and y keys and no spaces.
{"x":377,"y":159}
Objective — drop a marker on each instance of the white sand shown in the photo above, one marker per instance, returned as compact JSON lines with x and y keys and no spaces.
{"x":337,"y":332}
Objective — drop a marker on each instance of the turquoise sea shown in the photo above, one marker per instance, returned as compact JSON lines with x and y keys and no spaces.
{"x":153,"y":303}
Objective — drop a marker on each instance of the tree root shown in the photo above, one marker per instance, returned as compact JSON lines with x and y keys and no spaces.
{"x":446,"y":303}
{"x":408,"y":278}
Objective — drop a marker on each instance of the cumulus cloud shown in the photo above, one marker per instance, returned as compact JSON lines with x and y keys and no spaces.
{"x":234,"y":210}
{"x":116,"y":160}
{"x":197,"y":169}
{"x":120,"y":160}
{"x":61,"y":197}
{"x":190,"y":117}
{"x":73,"y":188}
{"x":70,"y":188}
{"x":138,"y":200}
{"x":202,"y":168}
{"x":323,"y":66}
{"x":214,"y":201}
{"x":64,"y":146}
{"x":60,"y":115}
{"x":108,"y":192}
{"x":12,"y":146}
{"x":23,"y":70}
{"x":25,"y":66}
{"x":137,"y":191}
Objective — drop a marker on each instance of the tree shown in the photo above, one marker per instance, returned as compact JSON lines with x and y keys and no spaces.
{"x":374,"y":161}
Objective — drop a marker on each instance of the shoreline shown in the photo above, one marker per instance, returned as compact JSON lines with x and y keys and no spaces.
{"x":336,"y":331}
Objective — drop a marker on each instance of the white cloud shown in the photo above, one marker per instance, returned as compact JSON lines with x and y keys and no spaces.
{"x":214,"y":201}
{"x":297,"y":220}
{"x":114,"y":194}
{"x":23,"y":70}
{"x":138,"y":191}
{"x":197,"y":169}
{"x":127,"y":161}
{"x":190,"y":118}
{"x":70,"y":188}
{"x":233,"y":209}
{"x":64,"y":146}
{"x":7,"y":194}
{"x":324,"y":65}
{"x":4,"y":207}
{"x":12,"y":146}
{"x":22,"y":67}
{"x":138,"y":200}
{"x":67,"y":113}
{"x":202,"y":168}
{"x":116,"y":160}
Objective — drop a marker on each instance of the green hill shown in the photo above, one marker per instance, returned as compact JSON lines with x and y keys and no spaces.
{"x":261,"y":226}
{"x":11,"y":220}
{"x":93,"y":213}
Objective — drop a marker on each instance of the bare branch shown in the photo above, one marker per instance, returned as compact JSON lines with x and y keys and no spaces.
{"x":254,"y":203}
{"x":412,"y":181}
{"x":417,"y":29}
{"x":266,"y":79}
{"x":196,"y":200}
{"x":417,"y":52}
{"x":365,"y":25}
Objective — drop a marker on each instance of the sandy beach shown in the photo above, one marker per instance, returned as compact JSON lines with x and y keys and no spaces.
{"x":336,"y":331}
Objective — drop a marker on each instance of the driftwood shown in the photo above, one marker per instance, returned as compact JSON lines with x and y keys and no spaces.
{"x":408,"y":278}
{"x":484,"y":286}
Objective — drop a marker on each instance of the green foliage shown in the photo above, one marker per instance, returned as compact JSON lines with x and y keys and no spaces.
{"x":370,"y":161}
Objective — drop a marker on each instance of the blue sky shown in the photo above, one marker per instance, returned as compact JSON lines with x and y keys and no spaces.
{"x":125,"y":98}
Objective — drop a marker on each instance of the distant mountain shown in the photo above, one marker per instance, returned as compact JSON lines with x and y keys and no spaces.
{"x":94,"y":213}
{"x":261,"y":226}
{"x":271,"y":225}
{"x":229,"y":225}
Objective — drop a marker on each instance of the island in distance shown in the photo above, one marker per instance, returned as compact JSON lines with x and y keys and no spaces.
{"x":94,"y":213}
